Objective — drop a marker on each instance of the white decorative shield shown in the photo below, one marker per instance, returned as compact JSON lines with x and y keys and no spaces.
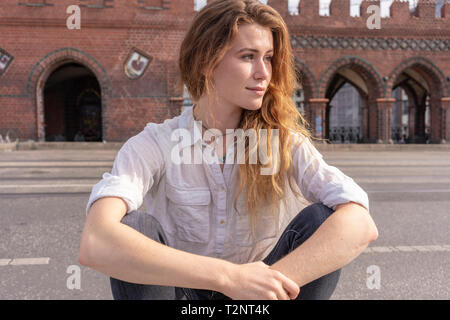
{"x":136,"y":64}
{"x":5,"y":60}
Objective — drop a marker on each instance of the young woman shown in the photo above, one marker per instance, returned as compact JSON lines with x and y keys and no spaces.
{"x":223,"y":230}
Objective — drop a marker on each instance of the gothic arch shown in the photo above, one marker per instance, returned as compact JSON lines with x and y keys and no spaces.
{"x":430,"y":71}
{"x":49,"y":63}
{"x":309,"y":81}
{"x":357,"y":64}
{"x":373,"y":85}
{"x":431,"y":83}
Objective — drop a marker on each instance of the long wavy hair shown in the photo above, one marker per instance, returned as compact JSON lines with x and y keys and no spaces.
{"x":207,"y":40}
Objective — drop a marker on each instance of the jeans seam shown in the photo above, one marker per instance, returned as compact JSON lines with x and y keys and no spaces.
{"x":280,"y":241}
{"x":291,"y":247}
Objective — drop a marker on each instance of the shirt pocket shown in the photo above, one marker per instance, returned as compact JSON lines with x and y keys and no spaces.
{"x":190,"y":211}
{"x":266,"y":227}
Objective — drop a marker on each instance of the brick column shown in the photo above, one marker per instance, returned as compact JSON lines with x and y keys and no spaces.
{"x":40,"y":121}
{"x":438,"y":109}
{"x":445,"y":120}
{"x":384,"y":123}
{"x":317,"y":113}
{"x":434,"y":120}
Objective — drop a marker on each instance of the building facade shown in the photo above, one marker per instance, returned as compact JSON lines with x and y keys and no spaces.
{"x":99,"y":70}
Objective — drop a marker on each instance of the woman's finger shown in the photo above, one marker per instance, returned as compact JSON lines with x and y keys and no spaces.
{"x":290,"y":286}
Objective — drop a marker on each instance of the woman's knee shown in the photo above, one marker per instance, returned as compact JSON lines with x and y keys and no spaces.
{"x":132,"y":219}
{"x":145,"y":224}
{"x":311,"y":218}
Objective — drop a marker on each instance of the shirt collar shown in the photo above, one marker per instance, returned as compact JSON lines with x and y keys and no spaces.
{"x":188,"y":122}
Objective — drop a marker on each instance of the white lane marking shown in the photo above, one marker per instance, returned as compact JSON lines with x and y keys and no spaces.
{"x":4,"y":262}
{"x":388,"y":249}
{"x":408,"y":191}
{"x":44,"y":185}
{"x":24,"y":261}
{"x":56,"y":164}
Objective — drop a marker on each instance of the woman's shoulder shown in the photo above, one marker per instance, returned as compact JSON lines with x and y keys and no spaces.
{"x":161,"y":132}
{"x":153,"y":136}
{"x":297,"y":138}
{"x":303,"y":144}
{"x":168,"y":124}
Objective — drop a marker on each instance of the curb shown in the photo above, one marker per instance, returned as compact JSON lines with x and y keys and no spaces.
{"x":33,"y":145}
{"x":7,"y":147}
{"x":44,"y":189}
{"x":383,"y":147}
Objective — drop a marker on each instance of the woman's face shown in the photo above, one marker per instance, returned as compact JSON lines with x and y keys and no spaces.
{"x":245,"y":66}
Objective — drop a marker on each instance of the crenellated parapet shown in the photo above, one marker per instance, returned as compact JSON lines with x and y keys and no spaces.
{"x":126,"y":13}
{"x":400,"y":15}
{"x":99,"y":13}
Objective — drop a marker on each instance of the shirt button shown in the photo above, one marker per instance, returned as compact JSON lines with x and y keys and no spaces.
{"x":222,"y":221}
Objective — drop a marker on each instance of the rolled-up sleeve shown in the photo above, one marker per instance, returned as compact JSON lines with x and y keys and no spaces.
{"x":137,"y":165}
{"x":320,"y":182}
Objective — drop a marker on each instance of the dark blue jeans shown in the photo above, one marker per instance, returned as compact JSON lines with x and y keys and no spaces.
{"x":297,"y":232}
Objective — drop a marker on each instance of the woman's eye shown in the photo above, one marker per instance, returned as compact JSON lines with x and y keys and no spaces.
{"x":251,"y":56}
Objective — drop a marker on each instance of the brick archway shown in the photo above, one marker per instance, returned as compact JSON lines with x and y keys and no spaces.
{"x":309,"y":84}
{"x":438,"y":91}
{"x":49,"y":63}
{"x":372,"y":115}
{"x":357,"y":64}
{"x":308,"y":80}
{"x":430,"y":72}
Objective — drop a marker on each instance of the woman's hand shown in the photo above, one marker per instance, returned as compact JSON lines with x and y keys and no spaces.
{"x":256,"y":281}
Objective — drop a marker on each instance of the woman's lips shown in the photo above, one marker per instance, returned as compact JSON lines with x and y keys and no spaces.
{"x":259,"y":92}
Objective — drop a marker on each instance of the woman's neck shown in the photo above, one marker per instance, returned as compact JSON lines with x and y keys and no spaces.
{"x":216,"y":117}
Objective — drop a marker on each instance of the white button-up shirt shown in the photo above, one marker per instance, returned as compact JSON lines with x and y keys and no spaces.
{"x":194,"y":202}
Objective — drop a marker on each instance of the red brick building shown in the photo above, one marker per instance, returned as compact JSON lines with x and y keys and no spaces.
{"x":118,"y":71}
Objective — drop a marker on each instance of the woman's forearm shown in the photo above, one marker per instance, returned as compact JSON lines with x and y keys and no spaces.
{"x":123,"y":253}
{"x":339,"y":240}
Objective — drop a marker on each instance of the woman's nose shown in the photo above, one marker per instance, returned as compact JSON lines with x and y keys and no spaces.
{"x":262,"y":69}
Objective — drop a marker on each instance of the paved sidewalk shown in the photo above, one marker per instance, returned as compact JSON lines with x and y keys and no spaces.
{"x":33,"y":145}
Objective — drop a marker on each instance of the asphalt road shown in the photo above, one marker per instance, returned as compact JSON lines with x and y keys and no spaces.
{"x":43,"y":194}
